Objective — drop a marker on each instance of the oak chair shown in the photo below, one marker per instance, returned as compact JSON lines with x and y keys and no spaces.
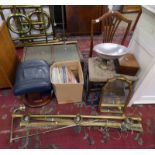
{"x":110,"y":22}
{"x":97,"y":72}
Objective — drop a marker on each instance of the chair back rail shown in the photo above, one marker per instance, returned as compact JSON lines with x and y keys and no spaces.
{"x":110,"y":22}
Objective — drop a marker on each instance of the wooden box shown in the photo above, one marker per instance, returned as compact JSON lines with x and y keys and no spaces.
{"x":127,"y":65}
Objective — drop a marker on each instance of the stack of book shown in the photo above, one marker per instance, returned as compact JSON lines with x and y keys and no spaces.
{"x":63,"y":75}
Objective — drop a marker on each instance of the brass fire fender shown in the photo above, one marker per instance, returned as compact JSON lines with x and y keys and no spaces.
{"x":21,"y":23}
{"x":124,"y":123}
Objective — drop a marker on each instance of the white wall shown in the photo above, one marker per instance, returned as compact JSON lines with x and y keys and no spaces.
{"x":142,"y":46}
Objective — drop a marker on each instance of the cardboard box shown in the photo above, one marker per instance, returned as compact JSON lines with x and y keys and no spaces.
{"x":68,"y":93}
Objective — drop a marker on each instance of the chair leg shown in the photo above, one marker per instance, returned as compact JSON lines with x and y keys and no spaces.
{"x":86,"y":77}
{"x":89,"y":86}
{"x":86,"y":88}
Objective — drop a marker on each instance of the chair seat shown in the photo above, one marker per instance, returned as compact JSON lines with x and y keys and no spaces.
{"x":100,"y":72}
{"x":32,"y":76}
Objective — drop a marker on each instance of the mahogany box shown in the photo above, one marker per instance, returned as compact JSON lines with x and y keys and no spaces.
{"x":127,"y":65}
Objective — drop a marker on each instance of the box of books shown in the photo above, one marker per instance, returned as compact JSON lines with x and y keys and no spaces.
{"x":67,"y":80}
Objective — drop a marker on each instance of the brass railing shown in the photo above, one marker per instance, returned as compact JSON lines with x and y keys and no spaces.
{"x":23,"y":20}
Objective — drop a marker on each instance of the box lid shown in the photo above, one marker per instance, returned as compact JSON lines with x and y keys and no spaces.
{"x":128,"y":60}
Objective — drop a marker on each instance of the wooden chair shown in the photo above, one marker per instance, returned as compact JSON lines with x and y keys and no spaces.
{"x":98,"y":73}
{"x":110,"y":22}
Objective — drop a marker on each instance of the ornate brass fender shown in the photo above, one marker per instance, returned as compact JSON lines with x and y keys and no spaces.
{"x":35,"y":121}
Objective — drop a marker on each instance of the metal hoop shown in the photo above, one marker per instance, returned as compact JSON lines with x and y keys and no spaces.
{"x":16,"y":16}
{"x":43,"y":25}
